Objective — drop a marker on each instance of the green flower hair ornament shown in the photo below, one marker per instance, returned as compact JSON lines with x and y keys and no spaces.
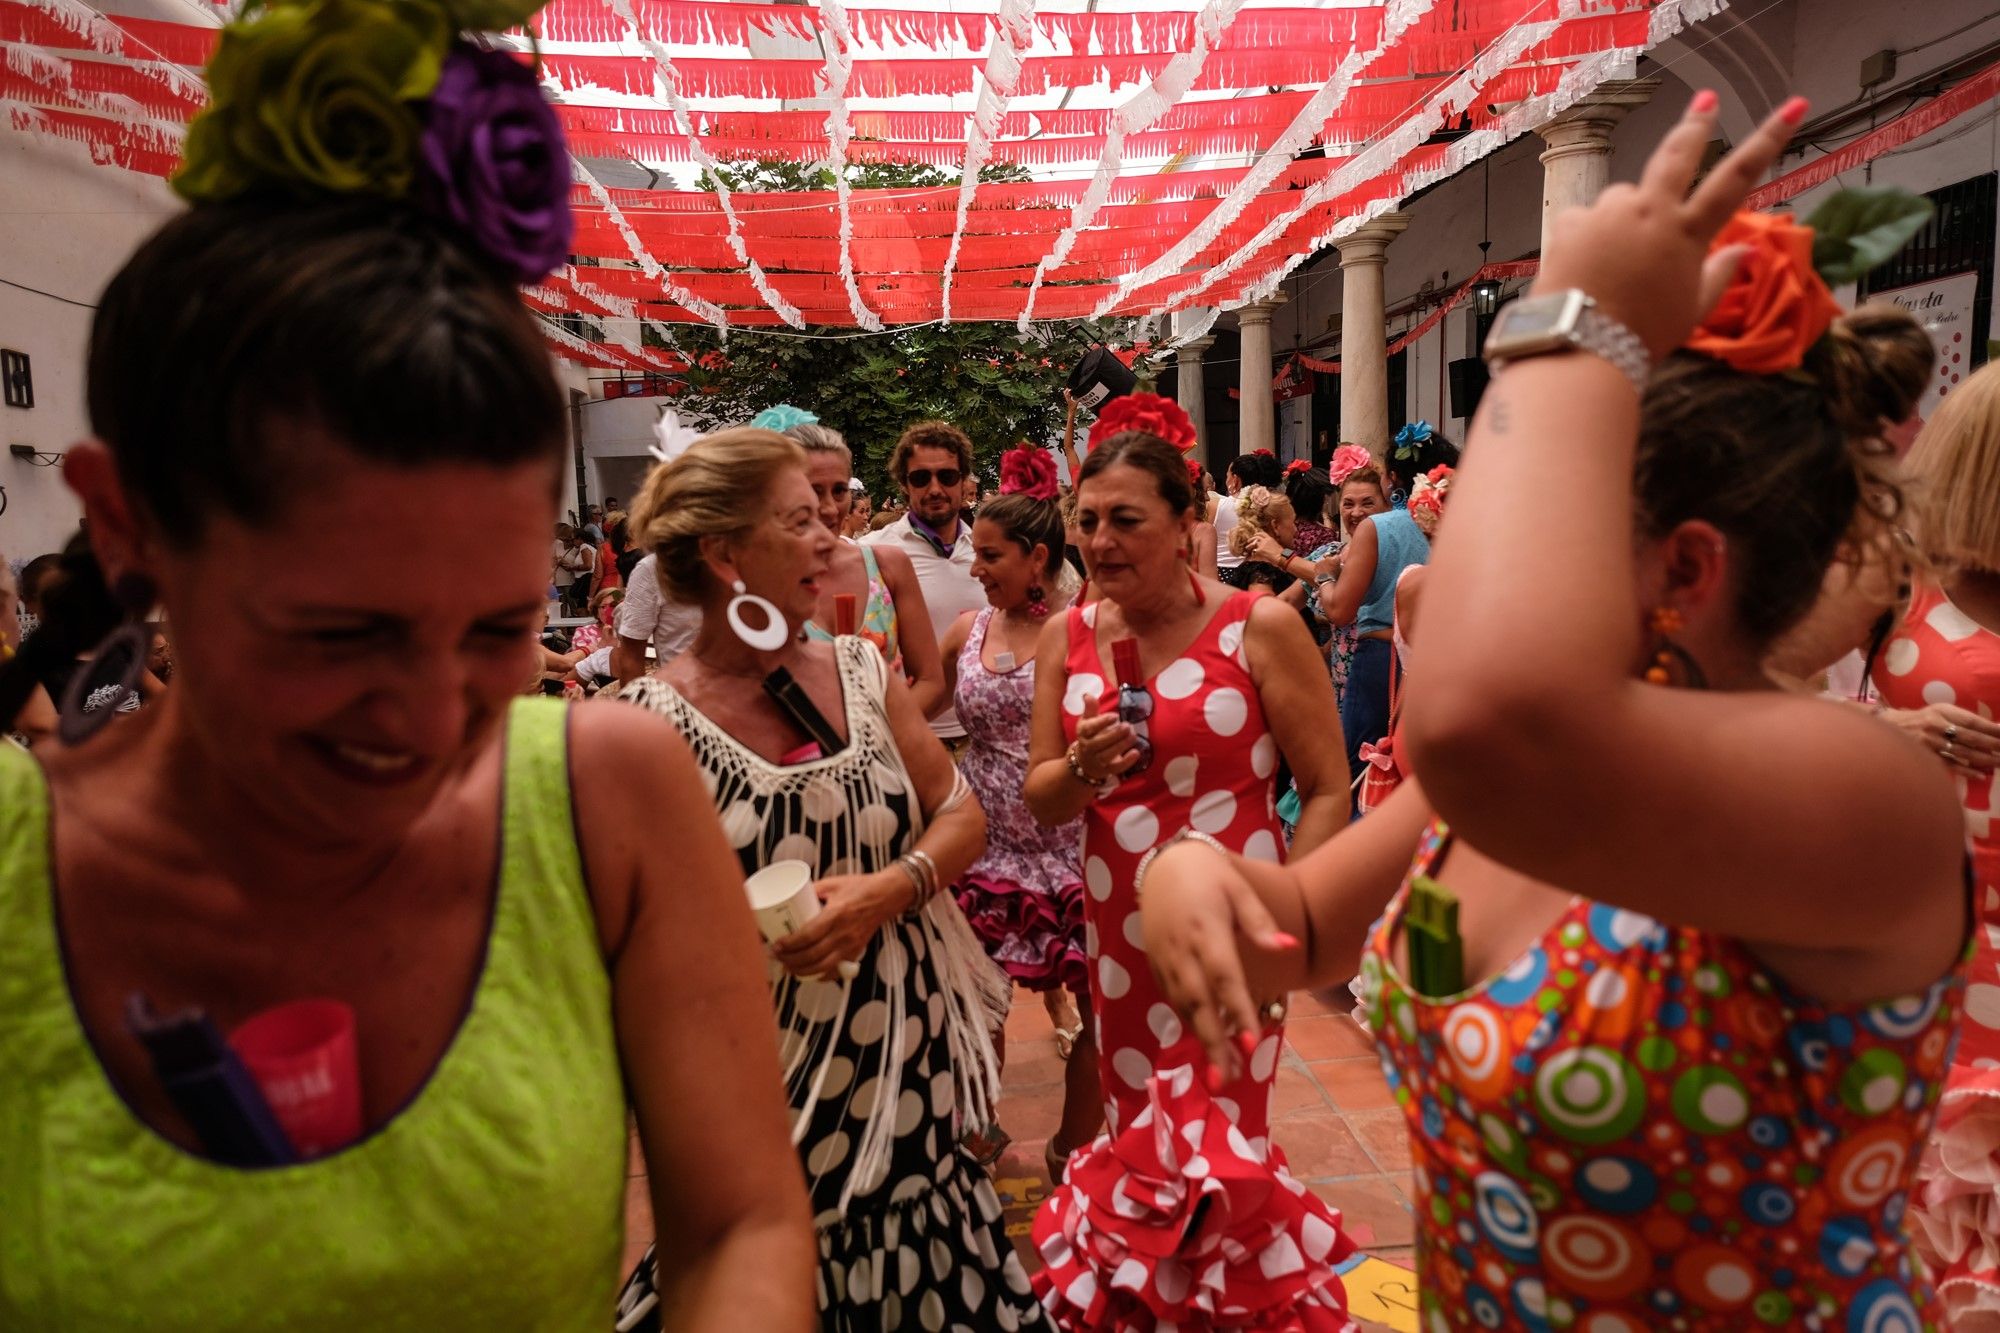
{"x":316,"y":98}
{"x":319,"y":98}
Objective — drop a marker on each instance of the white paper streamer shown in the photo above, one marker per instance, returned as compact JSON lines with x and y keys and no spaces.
{"x":557,"y":297}
{"x":50,"y":69}
{"x":618,"y":306}
{"x":670,"y":87}
{"x":1013,"y":35}
{"x":556,"y":333}
{"x":107,"y":38}
{"x":839,"y":67}
{"x":652,"y":267}
{"x":1304,"y":128}
{"x":1577,"y":82}
{"x":1188,"y":329}
{"x":1141,"y":111}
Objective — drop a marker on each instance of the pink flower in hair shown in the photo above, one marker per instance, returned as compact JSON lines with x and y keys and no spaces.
{"x":1348,"y":459}
{"x":1026,"y":470}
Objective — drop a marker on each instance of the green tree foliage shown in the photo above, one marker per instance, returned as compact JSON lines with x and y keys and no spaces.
{"x":989,"y":380}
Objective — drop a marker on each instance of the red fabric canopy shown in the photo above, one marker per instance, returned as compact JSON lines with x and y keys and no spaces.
{"x":1187,"y":154}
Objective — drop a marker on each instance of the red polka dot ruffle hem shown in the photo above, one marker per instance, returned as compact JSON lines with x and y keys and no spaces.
{"x":1181,"y":1221}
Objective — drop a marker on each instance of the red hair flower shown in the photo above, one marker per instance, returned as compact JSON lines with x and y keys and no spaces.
{"x":1296,"y":466}
{"x":1026,"y":470}
{"x":1148,"y":412}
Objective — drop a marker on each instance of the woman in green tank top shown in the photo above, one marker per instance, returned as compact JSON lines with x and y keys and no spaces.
{"x":329,"y":442}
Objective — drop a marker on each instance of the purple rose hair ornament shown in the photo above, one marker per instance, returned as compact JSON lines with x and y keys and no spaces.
{"x":492,"y":161}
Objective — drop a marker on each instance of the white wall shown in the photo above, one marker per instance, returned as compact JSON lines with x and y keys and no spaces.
{"x":66,"y":227}
{"x":1814,"y":47}
{"x":617,"y":437}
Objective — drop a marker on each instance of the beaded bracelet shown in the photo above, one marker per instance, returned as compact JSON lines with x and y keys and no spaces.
{"x":1076,"y":771}
{"x":1185,"y":835}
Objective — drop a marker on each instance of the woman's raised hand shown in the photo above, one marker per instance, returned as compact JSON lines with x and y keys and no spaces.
{"x":1264,"y":547}
{"x":1641,"y":251}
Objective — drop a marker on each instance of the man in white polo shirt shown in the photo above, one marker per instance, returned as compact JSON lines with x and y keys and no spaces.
{"x":647,"y":615}
{"x":931,"y":463}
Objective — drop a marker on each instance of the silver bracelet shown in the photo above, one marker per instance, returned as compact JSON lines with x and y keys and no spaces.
{"x":1185,"y":835}
{"x":927,"y":868}
{"x":914,"y":873}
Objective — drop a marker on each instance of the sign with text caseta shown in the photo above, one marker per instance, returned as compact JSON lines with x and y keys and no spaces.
{"x":1944,"y":307}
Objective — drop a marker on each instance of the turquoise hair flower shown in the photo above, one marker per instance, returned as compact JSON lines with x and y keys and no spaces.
{"x":1410,"y":436}
{"x":782,"y":418}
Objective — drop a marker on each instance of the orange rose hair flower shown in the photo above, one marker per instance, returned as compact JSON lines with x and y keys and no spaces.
{"x":1776,"y":307}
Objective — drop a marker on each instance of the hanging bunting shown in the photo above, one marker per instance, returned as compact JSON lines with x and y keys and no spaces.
{"x":644,"y":257}
{"x":1665,"y":21}
{"x":839,"y":65}
{"x":1296,"y":136}
{"x":1141,"y":111}
{"x":670,"y":87}
{"x":1236,"y":141}
{"x":1013,"y":34}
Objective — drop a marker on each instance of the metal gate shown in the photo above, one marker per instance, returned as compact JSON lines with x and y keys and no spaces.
{"x":1957,"y":239}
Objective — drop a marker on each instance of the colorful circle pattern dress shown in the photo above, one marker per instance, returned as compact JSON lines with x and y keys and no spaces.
{"x":1940,"y":655}
{"x":1183,"y":1215}
{"x":1638,"y":1126}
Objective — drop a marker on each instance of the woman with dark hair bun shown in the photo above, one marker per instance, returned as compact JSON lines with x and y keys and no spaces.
{"x":1310,"y":493}
{"x":1669,"y":991}
{"x":341,"y":826}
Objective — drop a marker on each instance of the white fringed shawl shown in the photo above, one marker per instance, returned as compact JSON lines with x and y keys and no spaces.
{"x":839,"y":815}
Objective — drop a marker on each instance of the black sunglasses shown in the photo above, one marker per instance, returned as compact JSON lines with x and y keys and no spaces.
{"x":921,"y":477}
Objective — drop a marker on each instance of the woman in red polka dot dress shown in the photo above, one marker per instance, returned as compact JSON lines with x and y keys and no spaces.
{"x":1182,"y":1215}
{"x":1939,"y":674}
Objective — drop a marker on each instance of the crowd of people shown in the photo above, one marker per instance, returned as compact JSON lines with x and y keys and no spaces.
{"x":1671,"y":895}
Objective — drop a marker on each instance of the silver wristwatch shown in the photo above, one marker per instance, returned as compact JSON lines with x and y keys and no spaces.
{"x":1566,"y":321}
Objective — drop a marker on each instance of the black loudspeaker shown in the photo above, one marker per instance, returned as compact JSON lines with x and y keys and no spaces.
{"x":1099,"y":377}
{"x":1468,"y":385}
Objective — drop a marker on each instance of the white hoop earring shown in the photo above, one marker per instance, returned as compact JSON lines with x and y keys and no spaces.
{"x":775,"y":632}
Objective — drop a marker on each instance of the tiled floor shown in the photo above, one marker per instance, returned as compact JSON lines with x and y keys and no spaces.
{"x":1331,"y":1113}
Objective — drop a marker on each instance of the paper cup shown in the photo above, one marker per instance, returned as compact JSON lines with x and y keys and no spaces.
{"x":303,"y":1057}
{"x":782,"y":896}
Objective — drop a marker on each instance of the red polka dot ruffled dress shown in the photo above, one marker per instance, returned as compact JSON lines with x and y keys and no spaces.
{"x":1182,"y":1214}
{"x":1940,"y":655}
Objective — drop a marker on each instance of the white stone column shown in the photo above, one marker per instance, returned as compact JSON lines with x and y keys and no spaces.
{"x":1259,"y":422}
{"x":1576,"y":166}
{"x":1364,"y":338}
{"x":1188,"y":387}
